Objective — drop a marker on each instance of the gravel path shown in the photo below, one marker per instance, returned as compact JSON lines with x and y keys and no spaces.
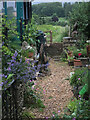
{"x":57,"y":90}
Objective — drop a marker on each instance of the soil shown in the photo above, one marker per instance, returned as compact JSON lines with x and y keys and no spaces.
{"x":57,"y":91}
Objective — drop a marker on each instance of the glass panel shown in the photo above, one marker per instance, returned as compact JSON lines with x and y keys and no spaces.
{"x":1,"y":8}
{"x":11,"y":9}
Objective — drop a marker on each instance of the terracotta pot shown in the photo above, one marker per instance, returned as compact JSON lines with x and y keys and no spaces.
{"x":88,"y":50}
{"x":30,"y":54}
{"x":77,"y":62}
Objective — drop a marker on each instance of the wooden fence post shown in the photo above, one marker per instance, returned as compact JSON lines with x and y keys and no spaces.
{"x":50,"y":37}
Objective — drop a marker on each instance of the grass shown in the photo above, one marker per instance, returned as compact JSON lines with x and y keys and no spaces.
{"x":58,"y":32}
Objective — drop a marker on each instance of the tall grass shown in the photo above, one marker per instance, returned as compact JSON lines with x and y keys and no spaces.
{"x":58,"y":32}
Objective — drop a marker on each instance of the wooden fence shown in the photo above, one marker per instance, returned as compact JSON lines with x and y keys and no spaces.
{"x":12,"y":101}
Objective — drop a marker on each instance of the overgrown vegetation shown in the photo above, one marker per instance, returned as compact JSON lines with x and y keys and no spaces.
{"x":16,"y":67}
{"x":80,"y":15}
{"x":58,"y":32}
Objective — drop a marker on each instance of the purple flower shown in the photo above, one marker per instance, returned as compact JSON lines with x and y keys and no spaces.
{"x":5,"y":81}
{"x":35,"y":83}
{"x":59,"y":111}
{"x":5,"y":76}
{"x":46,"y":117}
{"x":2,"y":43}
{"x":32,"y":87}
{"x":12,"y":60}
{"x":21,"y":60}
{"x":0,"y":75}
{"x":9,"y":63}
{"x":1,"y":84}
{"x":74,"y":118}
{"x":78,"y":78}
{"x":16,"y":53}
{"x":13,"y":57}
{"x":9,"y":69}
{"x":12,"y":64}
{"x":79,"y":96}
{"x":53,"y":115}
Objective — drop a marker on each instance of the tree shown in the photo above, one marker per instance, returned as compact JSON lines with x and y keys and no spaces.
{"x":80,"y":15}
{"x":54,"y":17}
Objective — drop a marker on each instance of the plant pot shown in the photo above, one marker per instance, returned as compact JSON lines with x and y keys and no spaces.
{"x":30,"y":54}
{"x":77,"y":63}
{"x":70,"y":62}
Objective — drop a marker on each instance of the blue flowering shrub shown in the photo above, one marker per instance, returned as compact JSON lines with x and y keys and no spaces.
{"x":17,"y":67}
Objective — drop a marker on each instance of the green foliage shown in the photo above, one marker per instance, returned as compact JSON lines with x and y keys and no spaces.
{"x":54,"y":17}
{"x":27,"y":115}
{"x":9,"y":25}
{"x":9,"y":76}
{"x":84,"y":52}
{"x":48,"y":9}
{"x":67,"y":8}
{"x":76,"y":51}
{"x":40,"y":104}
{"x":80,"y":77}
{"x":48,"y":20}
{"x":79,"y":108}
{"x":32,"y":97}
{"x":72,"y":106}
{"x":6,"y":50}
{"x":80,"y":15}
{"x":30,"y":33}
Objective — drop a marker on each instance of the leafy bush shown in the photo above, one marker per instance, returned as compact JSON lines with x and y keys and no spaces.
{"x":54,"y":18}
{"x":80,"y":77}
{"x":32,"y":98}
{"x":79,"y":109}
{"x":80,"y":15}
{"x":30,"y":33}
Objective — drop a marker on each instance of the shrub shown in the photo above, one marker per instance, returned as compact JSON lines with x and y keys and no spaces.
{"x":79,"y":109}
{"x":80,"y":77}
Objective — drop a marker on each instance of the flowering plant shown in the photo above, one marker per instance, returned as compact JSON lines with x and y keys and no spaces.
{"x":79,"y":54}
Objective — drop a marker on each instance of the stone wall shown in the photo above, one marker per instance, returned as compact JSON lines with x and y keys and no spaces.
{"x":12,"y":101}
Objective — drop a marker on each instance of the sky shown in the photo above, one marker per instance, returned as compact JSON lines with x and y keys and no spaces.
{"x":60,"y":1}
